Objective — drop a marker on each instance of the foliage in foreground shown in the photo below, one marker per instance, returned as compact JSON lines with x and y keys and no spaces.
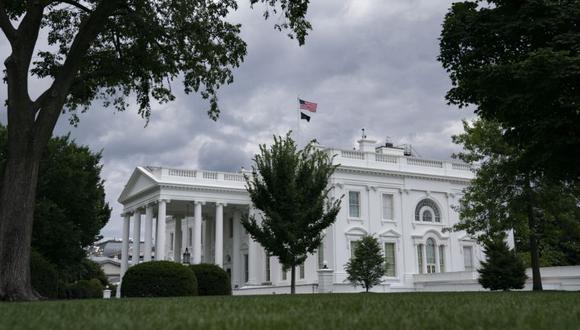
{"x":502,"y":270}
{"x":108,"y":51}
{"x":159,"y":279}
{"x":366,"y":267}
{"x":212,"y":280}
{"x":290,"y":188}
{"x":438,"y":310}
{"x":518,"y":63}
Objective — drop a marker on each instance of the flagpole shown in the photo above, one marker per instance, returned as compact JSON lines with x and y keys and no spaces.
{"x":298,"y":120}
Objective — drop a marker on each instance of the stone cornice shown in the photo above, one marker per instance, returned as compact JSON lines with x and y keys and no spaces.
{"x":377,"y":172}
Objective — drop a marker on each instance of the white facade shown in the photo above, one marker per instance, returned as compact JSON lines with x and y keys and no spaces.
{"x":406,"y":202}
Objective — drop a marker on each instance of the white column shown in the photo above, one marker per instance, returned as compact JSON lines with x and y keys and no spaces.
{"x":160,"y":243}
{"x":253,"y":256}
{"x":237,"y":266}
{"x":177,"y":241}
{"x":125,"y":248}
{"x":197,"y":233}
{"x":148,"y":233}
{"x":219,"y":234}
{"x":136,"y":237}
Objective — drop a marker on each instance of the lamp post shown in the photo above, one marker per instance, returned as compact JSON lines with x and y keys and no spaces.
{"x":186,"y":257}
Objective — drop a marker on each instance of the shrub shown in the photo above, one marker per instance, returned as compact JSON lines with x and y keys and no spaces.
{"x":159,"y":279}
{"x":85,"y":289}
{"x":44,"y":276}
{"x":503,"y":270}
{"x":212,"y":280}
{"x":366,"y":267}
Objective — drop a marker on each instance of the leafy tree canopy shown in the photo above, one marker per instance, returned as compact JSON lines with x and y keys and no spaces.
{"x":290,"y":187}
{"x":70,"y":204}
{"x":517,"y":62}
{"x":119,"y":48}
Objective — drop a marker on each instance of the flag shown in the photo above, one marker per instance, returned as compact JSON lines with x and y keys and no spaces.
{"x":305,"y":105}
{"x":305,"y":117}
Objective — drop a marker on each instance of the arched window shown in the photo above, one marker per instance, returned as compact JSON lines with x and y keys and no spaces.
{"x":430,"y":254}
{"x":427,"y":210}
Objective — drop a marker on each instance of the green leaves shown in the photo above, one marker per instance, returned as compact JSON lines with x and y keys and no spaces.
{"x":290,"y":188}
{"x":366,"y":267}
{"x":518,"y":63}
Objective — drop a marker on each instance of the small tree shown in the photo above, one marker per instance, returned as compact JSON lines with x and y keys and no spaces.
{"x":503,"y":270}
{"x":366,"y":267}
{"x":290,"y":187}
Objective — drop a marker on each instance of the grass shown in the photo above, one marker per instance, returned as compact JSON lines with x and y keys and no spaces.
{"x":512,"y":310}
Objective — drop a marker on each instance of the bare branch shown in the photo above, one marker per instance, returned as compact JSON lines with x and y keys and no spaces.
{"x":5,"y":25}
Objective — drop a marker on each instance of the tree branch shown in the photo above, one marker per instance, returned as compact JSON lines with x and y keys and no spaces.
{"x":5,"y":25}
{"x":50,"y":103}
{"x":78,"y":5}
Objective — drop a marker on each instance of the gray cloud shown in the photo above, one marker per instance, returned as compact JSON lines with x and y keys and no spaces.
{"x":369,"y":64}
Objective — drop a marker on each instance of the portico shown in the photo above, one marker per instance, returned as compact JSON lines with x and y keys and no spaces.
{"x":171,"y":211}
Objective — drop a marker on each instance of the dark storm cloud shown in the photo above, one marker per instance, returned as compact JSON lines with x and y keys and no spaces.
{"x":368,"y":63}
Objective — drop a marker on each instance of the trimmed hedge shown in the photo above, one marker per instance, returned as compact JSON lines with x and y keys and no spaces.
{"x":44,"y":276}
{"x":159,"y":279}
{"x":85,"y":289}
{"x":212,"y":280}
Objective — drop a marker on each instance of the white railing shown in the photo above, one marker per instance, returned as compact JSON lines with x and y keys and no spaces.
{"x":234,"y":177}
{"x":183,"y":173}
{"x":386,"y":158}
{"x":210,"y":175}
{"x":352,"y":154}
{"x":461,"y":167}
{"x":424,"y":162}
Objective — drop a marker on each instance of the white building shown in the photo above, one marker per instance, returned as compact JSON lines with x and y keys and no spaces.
{"x":406,"y":202}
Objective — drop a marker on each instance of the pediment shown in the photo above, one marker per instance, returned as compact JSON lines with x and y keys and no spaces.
{"x":139,"y":181}
{"x":390,"y":233}
{"x":356,"y":231}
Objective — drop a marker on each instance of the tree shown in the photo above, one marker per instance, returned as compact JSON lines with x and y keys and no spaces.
{"x":70,"y":205}
{"x":290,"y":188}
{"x":366,"y":267}
{"x":104,"y":50}
{"x":503,"y":196}
{"x":502,"y":270}
{"x":518,"y":63}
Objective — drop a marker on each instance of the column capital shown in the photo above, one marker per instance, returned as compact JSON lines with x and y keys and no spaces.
{"x":221,"y":203}
{"x":199,"y":202}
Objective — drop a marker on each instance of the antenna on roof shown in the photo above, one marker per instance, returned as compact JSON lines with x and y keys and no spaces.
{"x":363,"y":134}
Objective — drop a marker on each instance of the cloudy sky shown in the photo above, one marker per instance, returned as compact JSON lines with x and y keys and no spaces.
{"x":367,"y":63}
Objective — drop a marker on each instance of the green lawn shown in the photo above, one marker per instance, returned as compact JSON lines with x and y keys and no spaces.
{"x":515,"y":310}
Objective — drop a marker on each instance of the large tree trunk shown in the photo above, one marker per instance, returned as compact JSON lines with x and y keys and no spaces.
{"x":293,"y":280}
{"x":533,"y":240}
{"x":17,"y":201}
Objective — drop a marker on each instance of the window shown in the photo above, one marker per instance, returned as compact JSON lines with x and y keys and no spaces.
{"x":171,"y":241}
{"x":468,"y":258}
{"x":189,"y":236}
{"x":427,"y":210}
{"x":231,"y":227}
{"x":321,"y":256}
{"x":442,"y":258}
{"x":353,"y":246}
{"x":284,"y":274}
{"x":268,"y":279}
{"x":302,"y":269}
{"x":388,"y":207}
{"x":390,"y":263}
{"x":246,"y":268}
{"x":430,"y":254}
{"x":420,"y":258}
{"x":354,"y":204}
